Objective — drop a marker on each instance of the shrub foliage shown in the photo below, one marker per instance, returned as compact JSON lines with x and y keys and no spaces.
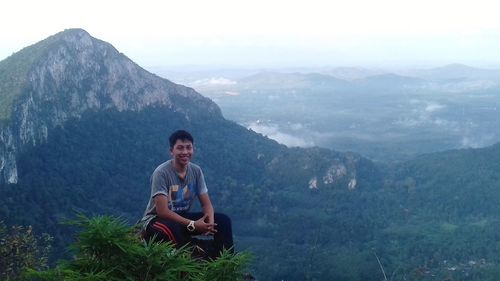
{"x":108,"y":249}
{"x":21,"y":249}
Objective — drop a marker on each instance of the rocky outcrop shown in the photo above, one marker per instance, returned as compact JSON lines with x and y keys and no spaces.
{"x":320,"y":168}
{"x":8,"y":167}
{"x":72,"y":74}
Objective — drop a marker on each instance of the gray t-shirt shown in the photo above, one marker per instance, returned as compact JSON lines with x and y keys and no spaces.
{"x":180,"y":192}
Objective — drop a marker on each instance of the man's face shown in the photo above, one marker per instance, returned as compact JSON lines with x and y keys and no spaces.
{"x":182,"y":152}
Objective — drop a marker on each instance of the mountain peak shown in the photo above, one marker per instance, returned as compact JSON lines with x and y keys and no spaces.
{"x":77,"y":37}
{"x":69,"y":35}
{"x":74,"y":35}
{"x":69,"y":60}
{"x":69,"y":73}
{"x":15,"y":69}
{"x":73,"y":31}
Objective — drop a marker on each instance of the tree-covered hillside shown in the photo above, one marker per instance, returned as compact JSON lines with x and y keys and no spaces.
{"x":101,"y":164}
{"x":433,"y":217}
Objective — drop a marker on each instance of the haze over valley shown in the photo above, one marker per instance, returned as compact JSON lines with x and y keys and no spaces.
{"x":386,"y":115}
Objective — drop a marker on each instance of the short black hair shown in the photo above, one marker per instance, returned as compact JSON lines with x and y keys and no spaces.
{"x":180,"y":135}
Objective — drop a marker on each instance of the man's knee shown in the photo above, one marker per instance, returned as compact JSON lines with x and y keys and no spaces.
{"x":161,"y":231}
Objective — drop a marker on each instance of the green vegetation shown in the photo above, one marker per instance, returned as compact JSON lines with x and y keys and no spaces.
{"x":13,"y":71}
{"x":107,"y":249}
{"x":425,"y":220}
{"x":20,"y":249}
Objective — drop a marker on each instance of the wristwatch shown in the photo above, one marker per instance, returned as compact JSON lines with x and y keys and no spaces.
{"x":190,"y":226}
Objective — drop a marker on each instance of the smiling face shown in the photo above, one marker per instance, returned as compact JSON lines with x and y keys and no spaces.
{"x":181,"y":153}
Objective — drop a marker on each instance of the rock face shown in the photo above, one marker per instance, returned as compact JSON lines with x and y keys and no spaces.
{"x":8,"y":169}
{"x":69,"y":74}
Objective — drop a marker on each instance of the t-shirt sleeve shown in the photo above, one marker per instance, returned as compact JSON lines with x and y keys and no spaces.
{"x":158,"y":184}
{"x":202,"y":186}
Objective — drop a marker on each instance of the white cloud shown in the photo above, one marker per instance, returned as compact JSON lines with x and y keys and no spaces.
{"x":296,"y":126}
{"x":477,"y":141}
{"x":272,"y":131}
{"x":433,"y":107}
{"x":221,"y":81}
{"x":214,"y":81}
{"x":422,"y":115}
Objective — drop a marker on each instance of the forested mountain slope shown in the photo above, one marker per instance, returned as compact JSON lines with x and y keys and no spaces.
{"x":85,"y":127}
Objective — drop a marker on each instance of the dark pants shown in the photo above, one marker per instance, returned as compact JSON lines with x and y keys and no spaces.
{"x":167,"y":230}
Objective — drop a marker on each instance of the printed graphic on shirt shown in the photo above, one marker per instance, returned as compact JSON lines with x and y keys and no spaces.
{"x":181,"y":197}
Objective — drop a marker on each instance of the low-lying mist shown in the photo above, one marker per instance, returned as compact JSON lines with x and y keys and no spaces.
{"x":384,"y":116}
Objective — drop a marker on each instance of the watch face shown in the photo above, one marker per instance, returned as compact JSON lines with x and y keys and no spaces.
{"x":190,"y":226}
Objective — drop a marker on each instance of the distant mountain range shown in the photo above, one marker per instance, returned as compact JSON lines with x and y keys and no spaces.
{"x":279,"y":80}
{"x":455,"y":72}
{"x":386,"y":116}
{"x":449,"y":78}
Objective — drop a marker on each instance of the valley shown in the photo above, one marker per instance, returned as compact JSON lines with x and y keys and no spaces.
{"x":388,"y":117}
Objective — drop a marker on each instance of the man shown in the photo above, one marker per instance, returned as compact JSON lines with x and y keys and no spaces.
{"x":175,"y":184}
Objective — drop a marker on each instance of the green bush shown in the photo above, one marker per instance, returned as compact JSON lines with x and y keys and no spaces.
{"x":108,"y":249}
{"x":21,"y":249}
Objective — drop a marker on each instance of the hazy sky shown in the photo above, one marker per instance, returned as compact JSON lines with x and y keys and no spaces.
{"x":269,"y":32}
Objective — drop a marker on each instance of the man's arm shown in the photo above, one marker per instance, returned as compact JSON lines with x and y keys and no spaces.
{"x":208,"y":211}
{"x":162,"y":210}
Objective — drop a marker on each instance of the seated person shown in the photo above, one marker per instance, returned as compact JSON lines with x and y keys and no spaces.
{"x":175,"y":184}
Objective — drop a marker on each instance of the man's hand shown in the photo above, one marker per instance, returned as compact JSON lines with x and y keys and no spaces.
{"x":205,"y":225}
{"x":208,"y":210}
